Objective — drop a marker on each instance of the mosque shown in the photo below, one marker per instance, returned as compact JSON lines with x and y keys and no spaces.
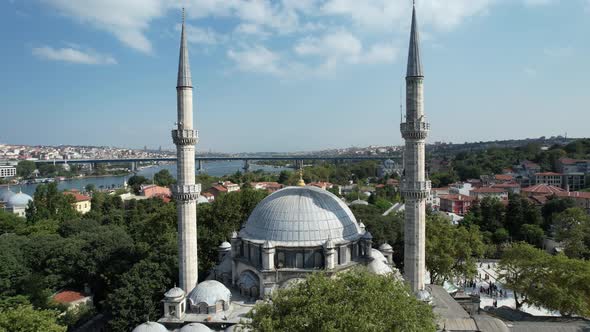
{"x":303,"y":229}
{"x":290,"y":234}
{"x":15,"y":202}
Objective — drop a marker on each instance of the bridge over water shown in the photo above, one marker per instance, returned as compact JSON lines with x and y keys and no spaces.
{"x":298,"y":160}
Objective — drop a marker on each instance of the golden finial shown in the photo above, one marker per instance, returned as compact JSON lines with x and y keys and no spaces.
{"x":301,"y":183}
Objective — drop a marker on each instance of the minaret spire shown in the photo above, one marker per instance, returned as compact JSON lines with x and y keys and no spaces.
{"x":186,"y":191}
{"x":415,"y":186}
{"x":414,"y":60}
{"x":184,"y":68}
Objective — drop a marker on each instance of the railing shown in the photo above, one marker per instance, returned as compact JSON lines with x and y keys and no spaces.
{"x":418,"y":186}
{"x":415,"y":126}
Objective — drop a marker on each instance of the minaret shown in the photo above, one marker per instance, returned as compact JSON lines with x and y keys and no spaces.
{"x":414,"y":186}
{"x":186,"y":191}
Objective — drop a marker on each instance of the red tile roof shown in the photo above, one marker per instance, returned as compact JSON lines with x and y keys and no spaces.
{"x":77,"y":196}
{"x":504,"y":177}
{"x":68,"y":296}
{"x":570,"y":161}
{"x":542,"y":189}
{"x":506,"y":185}
{"x":219,"y":188}
{"x":457,"y":197}
{"x":488,"y":190}
{"x":548,"y":174}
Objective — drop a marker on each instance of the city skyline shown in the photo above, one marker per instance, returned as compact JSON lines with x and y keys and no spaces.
{"x":262,"y":69}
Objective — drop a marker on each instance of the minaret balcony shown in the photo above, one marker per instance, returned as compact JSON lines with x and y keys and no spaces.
{"x":415,"y":189}
{"x":188,"y":192}
{"x":415,"y":130}
{"x":185,"y":136}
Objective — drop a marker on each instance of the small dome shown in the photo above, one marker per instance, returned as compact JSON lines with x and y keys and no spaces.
{"x":195,"y":327}
{"x":5,"y":196}
{"x":424,"y":296}
{"x":301,"y":217}
{"x":368,"y":235}
{"x":225,"y":245}
{"x":210,"y":292}
{"x":385,"y":247}
{"x":379,"y":263}
{"x":150,"y":327}
{"x":359,"y":202}
{"x":174,"y":293}
{"x":236,"y":328}
{"x":20,"y":200}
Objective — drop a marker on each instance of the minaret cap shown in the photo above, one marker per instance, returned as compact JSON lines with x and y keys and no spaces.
{"x":301,"y":183}
{"x":184,"y":68}
{"x":414,"y":59}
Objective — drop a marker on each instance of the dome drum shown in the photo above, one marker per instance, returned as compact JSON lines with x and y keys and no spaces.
{"x":209,"y":297}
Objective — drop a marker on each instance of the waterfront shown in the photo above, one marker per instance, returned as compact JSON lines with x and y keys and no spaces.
{"x":214,"y":168}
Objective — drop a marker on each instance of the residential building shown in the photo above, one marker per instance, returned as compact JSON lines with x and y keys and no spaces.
{"x":483,"y":192}
{"x":582,"y":199}
{"x":461,"y":188}
{"x":568,"y":165}
{"x":456,"y":203}
{"x":7,"y":171}
{"x":223,"y":188}
{"x":573,"y":181}
{"x":153,"y":190}
{"x":82,"y":203}
{"x":549,"y":178}
{"x":268,"y":186}
{"x":510,"y":187}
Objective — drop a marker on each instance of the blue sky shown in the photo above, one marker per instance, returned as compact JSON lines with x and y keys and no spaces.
{"x":290,"y":75}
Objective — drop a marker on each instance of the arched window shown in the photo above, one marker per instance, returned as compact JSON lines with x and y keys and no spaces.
{"x":219,"y":306}
{"x":299,"y":260}
{"x":281,"y":259}
{"x":318,"y":260}
{"x":203,"y":308}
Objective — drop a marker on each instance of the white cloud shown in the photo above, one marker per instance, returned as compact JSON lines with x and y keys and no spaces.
{"x":342,"y":47}
{"x":73,"y":55}
{"x":127,"y":20}
{"x":198,"y":35}
{"x":252,"y":30}
{"x":388,"y":14}
{"x":256,"y":59}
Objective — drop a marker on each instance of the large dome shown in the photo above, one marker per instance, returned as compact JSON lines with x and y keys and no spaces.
{"x":301,"y":217}
{"x":19,"y":200}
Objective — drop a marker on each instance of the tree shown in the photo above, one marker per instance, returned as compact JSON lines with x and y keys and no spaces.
{"x":49,"y":203}
{"x":555,"y":282}
{"x":164,"y":178}
{"x":136,"y":181}
{"x":138,"y":296}
{"x":451,"y":251}
{"x":532,"y":234}
{"x":353,"y":301}
{"x":25,"y":168}
{"x":284,"y":177}
{"x":521,"y":271}
{"x":572,"y":227}
{"x":24,"y":318}
{"x":90,"y":187}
